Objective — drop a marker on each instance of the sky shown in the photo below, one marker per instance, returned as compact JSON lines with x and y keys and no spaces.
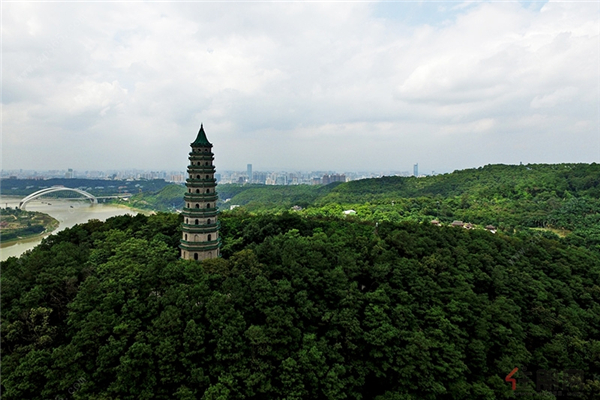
{"x":341,"y":86}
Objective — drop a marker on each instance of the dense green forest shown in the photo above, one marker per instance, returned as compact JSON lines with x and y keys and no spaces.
{"x":512,"y":182}
{"x":262,"y":197}
{"x":563,"y":198}
{"x":169,"y":198}
{"x":298,"y":307}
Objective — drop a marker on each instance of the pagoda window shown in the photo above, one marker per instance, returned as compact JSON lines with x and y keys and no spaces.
{"x":195,"y":238}
{"x":186,"y":236}
{"x":196,"y":222}
{"x":206,"y":163}
{"x":206,"y":176}
{"x":208,"y":205}
{"x":195,"y":256}
{"x":197,"y":205}
{"x":197,"y":190}
{"x":209,"y":237}
{"x":197,"y":176}
{"x":188,"y":205}
{"x":207,"y":190}
{"x":208,"y":222}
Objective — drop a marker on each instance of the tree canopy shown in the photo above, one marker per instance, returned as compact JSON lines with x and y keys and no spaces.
{"x":298,"y":307}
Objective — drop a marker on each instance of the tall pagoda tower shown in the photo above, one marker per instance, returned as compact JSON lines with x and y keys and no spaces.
{"x":200,"y":231}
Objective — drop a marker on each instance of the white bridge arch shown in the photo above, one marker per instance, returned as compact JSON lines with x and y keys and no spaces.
{"x":55,"y":189}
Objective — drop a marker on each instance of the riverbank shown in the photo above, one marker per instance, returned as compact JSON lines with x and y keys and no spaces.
{"x":134,"y":209}
{"x":39,"y":236}
{"x":17,"y":224}
{"x":67,"y":213}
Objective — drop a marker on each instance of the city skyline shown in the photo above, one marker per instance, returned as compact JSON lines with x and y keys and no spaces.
{"x":265,"y":177}
{"x":300,"y":86}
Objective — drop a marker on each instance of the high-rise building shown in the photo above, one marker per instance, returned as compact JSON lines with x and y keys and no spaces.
{"x":260,"y":177}
{"x":416,"y":169}
{"x":249,"y":172}
{"x":200,"y":231}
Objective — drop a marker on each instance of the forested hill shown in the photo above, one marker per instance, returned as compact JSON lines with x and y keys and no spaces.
{"x":512,"y":182}
{"x":298,"y":308}
{"x":562,"y":198}
{"x":492,"y":181}
{"x":276,"y":197}
{"x":535,"y":189}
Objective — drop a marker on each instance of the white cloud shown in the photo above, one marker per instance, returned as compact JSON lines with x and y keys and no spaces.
{"x":316,"y":85}
{"x":557,"y":97}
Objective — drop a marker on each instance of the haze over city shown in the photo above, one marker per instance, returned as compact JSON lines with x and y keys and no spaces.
{"x":306,"y":86}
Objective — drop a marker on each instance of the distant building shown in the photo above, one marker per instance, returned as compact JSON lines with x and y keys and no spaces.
{"x":200,"y":230}
{"x":457,"y":223}
{"x":249,"y":172}
{"x":416,"y":169}
{"x":177,"y":178}
{"x":259,"y":177}
{"x":292,"y":179}
{"x":327,"y":179}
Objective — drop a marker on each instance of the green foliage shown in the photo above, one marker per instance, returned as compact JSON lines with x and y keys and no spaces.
{"x":97,"y":187}
{"x":271,"y":197}
{"x":16,"y":223}
{"x":562,"y":197}
{"x":297,"y":308}
{"x":169,"y":198}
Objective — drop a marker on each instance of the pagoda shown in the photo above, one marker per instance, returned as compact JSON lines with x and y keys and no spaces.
{"x":200,"y":230}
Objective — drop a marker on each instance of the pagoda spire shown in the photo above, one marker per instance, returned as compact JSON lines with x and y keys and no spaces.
{"x":201,"y":139}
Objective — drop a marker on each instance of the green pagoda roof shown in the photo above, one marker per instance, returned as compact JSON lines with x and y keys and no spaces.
{"x":201,"y":139}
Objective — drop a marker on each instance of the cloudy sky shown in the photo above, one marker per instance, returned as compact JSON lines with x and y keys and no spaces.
{"x":343,"y":86}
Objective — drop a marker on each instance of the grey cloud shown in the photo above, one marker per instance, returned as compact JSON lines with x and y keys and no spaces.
{"x":292,"y":85}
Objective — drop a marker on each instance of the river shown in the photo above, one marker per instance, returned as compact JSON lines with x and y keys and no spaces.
{"x":67,"y":212}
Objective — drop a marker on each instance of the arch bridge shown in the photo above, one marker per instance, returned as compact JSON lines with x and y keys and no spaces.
{"x":55,"y":189}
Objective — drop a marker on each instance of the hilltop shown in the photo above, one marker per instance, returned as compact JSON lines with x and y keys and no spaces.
{"x":298,"y":307}
{"x":563,"y":198}
{"x":556,"y":198}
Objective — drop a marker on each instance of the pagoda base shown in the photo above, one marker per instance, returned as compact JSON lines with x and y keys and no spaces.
{"x":199,"y":254}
